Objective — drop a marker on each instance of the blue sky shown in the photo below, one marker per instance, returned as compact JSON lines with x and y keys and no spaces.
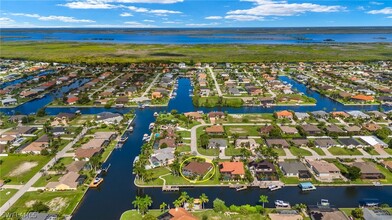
{"x":194,"y":13}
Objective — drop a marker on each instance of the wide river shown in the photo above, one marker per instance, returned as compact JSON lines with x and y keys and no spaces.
{"x":116,"y":193}
{"x":203,"y":35}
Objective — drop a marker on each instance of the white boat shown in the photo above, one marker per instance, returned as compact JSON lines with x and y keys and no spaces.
{"x":324,"y":202}
{"x":123,"y":139}
{"x":146,"y":137}
{"x":130,"y":129}
{"x":151,"y":126}
{"x":97,"y":180}
{"x":274,"y":187}
{"x":156,"y":114}
{"x":281,"y":203}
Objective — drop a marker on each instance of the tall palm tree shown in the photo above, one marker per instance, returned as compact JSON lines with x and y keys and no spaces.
{"x":147,"y":202}
{"x":137,"y":203}
{"x":177,"y":203}
{"x":162,"y":207}
{"x":203,"y":199}
{"x":191,"y":203}
{"x":183,"y":197}
{"x":263,"y":199}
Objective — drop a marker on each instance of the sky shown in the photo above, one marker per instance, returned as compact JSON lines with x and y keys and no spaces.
{"x":194,"y":13}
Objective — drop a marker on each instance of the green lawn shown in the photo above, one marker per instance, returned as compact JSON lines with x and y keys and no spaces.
{"x":343,"y":151}
{"x":12,"y":167}
{"x":184,"y":134}
{"x":280,"y":151}
{"x":184,"y":148}
{"x":296,"y":151}
{"x":134,"y":215}
{"x":44,"y":180}
{"x":6,"y":194}
{"x":208,"y":152}
{"x":388,"y":150}
{"x":231,"y":151}
{"x":62,"y":203}
{"x":319,"y":151}
{"x":249,"y":130}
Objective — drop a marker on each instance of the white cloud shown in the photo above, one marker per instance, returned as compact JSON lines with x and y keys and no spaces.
{"x":172,"y":22}
{"x":385,"y":11}
{"x":126,"y":14}
{"x":136,"y":9}
{"x":161,"y":11}
{"x":244,"y":17}
{"x":147,"y":1}
{"x":65,"y":19}
{"x":89,"y":4}
{"x":376,"y":3}
{"x":202,"y":24}
{"x":213,"y":17}
{"x":151,"y":21}
{"x":137,"y":24}
{"x":389,"y":17}
{"x":6,"y":21}
{"x":283,"y":8}
{"x":361,"y":8}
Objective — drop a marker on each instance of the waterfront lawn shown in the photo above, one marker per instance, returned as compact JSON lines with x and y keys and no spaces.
{"x":296,"y":151}
{"x":12,"y":167}
{"x":319,"y":151}
{"x":135,"y":215}
{"x":343,"y":151}
{"x":6,"y":194}
{"x":61,"y":203}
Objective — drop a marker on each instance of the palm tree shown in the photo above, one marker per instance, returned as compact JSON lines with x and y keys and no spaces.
{"x":203,"y":199}
{"x":137,"y":203}
{"x":191,"y":203}
{"x":263,"y":199}
{"x":177,"y":203}
{"x":147,"y":202}
{"x":183,"y":197}
{"x":162,"y":207}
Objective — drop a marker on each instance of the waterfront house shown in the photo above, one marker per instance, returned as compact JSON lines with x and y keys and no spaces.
{"x":368,"y":170}
{"x":326,"y":213}
{"x":217,"y":143}
{"x":177,"y":214}
{"x":376,"y":214}
{"x":76,"y":166}
{"x":162,"y":157}
{"x":105,"y":135}
{"x":295,"y":169}
{"x":17,"y":118}
{"x":387,"y":164}
{"x":340,"y":114}
{"x":39,"y":216}
{"x":72,"y":100}
{"x":285,"y":215}
{"x":362,"y":98}
{"x":9,"y":101}
{"x":69,"y":181}
{"x":156,"y":95}
{"x":266,"y":100}
{"x":215,"y":130}
{"x":378,"y":114}
{"x":263,"y":170}
{"x":196,"y":169}
{"x":320,"y":114}
{"x":284,"y":114}
{"x":20,"y":131}
{"x":193,"y":115}
{"x":168,"y":142}
{"x":231,"y":170}
{"x":86,"y":154}
{"x":323,"y":169}
{"x":109,"y":118}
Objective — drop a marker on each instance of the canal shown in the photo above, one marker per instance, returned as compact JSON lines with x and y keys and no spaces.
{"x":116,"y":193}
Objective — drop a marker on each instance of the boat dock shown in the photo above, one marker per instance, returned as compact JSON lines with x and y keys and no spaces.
{"x":168,"y":188}
{"x":306,"y":186}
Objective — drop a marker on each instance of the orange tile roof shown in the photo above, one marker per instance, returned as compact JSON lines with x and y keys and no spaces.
{"x":215,"y":129}
{"x":284,"y":113}
{"x":232,"y":167}
{"x":363,"y":97}
{"x":181,"y":214}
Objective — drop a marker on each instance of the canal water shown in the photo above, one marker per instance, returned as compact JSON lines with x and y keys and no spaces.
{"x":22,"y":80}
{"x":116,"y":193}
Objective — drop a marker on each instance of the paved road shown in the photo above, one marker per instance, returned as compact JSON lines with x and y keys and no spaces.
{"x":151,"y":85}
{"x":216,"y":83}
{"x":25,"y":188}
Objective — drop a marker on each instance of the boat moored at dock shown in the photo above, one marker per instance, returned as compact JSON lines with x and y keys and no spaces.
{"x":306,"y":186}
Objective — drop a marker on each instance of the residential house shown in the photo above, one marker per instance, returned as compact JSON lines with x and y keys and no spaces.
{"x":295,"y":169}
{"x":340,"y":115}
{"x":194,"y":115}
{"x":373,"y":141}
{"x":169,"y":142}
{"x":288,"y":129}
{"x":325,"y":142}
{"x":358,"y":114}
{"x":277,"y":143}
{"x":362,"y":98}
{"x":368,"y":170}
{"x":284,"y":114}
{"x":39,"y":216}
{"x":246,"y":142}
{"x":333,"y":129}
{"x":231,"y":170}
{"x":387,"y":164}
{"x":352,"y":129}
{"x":266,"y":129}
{"x":177,"y":214}
{"x":311,"y":129}
{"x":36,"y":146}
{"x":215,"y":130}
{"x":109,"y":118}
{"x":372,"y":127}
{"x":196,"y":169}
{"x":263,"y":170}
{"x":162,"y":157}
{"x":350,"y":143}
{"x":324,"y":169}
{"x":217,"y":143}
{"x":69,"y":181}
{"x":320,"y":114}
{"x":76,"y":166}
{"x":299,"y":142}
{"x":301,"y":115}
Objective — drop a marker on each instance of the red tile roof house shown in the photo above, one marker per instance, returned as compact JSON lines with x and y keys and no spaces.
{"x":72,"y":100}
{"x":197,"y":169}
{"x":232,"y":170}
{"x":284,"y":114}
{"x":215,"y":130}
